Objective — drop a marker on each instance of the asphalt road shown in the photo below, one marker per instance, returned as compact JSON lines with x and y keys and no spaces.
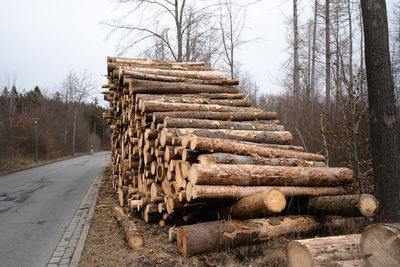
{"x":36,"y":206}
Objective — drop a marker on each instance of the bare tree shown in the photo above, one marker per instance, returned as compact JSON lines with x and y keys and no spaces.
{"x":327,"y":55}
{"x":382,"y":111}
{"x":180,"y":28}
{"x":77,"y":88}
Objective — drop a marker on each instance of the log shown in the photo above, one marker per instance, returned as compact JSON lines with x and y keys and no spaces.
{"x":151,"y":214}
{"x":191,"y":99}
{"x":321,"y":251}
{"x":217,"y":124}
{"x":223,"y":96}
{"x":380,"y":244}
{"x":134,"y":239}
{"x":345,"y":205}
{"x":217,"y":235}
{"x":234,"y":192}
{"x":247,"y":148}
{"x":227,"y":174}
{"x":161,"y":106}
{"x":257,"y":205}
{"x":348,"y":263}
{"x":172,"y":234}
{"x":269,"y":137}
{"x":227,"y":158}
{"x":153,"y":87}
{"x":186,"y":74}
{"x":158,"y":117}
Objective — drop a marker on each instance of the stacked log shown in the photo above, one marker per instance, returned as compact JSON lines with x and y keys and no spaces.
{"x":187,"y":147}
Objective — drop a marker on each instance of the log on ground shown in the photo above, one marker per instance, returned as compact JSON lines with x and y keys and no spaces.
{"x":380,"y":244}
{"x":321,"y":251}
{"x":134,"y":239}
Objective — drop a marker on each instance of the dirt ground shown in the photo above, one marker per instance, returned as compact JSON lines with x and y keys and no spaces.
{"x":105,"y":244}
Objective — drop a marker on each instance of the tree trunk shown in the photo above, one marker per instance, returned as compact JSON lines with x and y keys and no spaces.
{"x":231,"y":116}
{"x":135,"y":240}
{"x":382,"y":111}
{"x":227,"y":158}
{"x":226,"y":174}
{"x":380,"y":244}
{"x":321,"y":251}
{"x":345,"y":205}
{"x":327,"y":56}
{"x":247,"y":148}
{"x":153,"y":87}
{"x":233,"y":191}
{"x":216,"y":124}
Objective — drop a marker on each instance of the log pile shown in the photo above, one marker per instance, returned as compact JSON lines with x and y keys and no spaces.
{"x":187,"y":147}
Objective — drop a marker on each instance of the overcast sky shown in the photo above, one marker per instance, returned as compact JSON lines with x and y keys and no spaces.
{"x":42,"y":40}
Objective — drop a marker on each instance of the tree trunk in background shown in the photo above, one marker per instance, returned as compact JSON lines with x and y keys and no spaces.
{"x":327,"y":56}
{"x":296,"y":82}
{"x":74,"y":129}
{"x":314,"y":48}
{"x":382,"y":111}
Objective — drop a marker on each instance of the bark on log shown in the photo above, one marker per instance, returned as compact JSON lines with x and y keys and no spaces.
{"x":216,"y":124}
{"x":134,"y":239}
{"x":160,"y":106}
{"x":247,"y":148}
{"x":158,"y":117}
{"x":348,"y":263}
{"x":223,"y":96}
{"x":380,"y":244}
{"x":226,"y":174}
{"x":140,"y":86}
{"x":234,"y":192}
{"x":257,"y":205}
{"x":217,"y":235}
{"x":321,"y":251}
{"x":345,"y":205}
{"x":227,"y":158}
{"x":264,"y":137}
{"x":191,"y":100}
{"x":187,"y":74}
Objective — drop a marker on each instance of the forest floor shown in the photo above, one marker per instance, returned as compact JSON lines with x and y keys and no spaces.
{"x":105,"y":244}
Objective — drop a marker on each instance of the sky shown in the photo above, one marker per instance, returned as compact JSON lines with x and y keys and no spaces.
{"x":42,"y":40}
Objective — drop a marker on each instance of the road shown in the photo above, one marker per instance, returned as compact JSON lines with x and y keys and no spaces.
{"x":36,"y":206}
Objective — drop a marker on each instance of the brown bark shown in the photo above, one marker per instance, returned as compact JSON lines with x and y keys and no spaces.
{"x":161,"y":106}
{"x":321,"y":251}
{"x":191,"y":99}
{"x":226,"y":174}
{"x":215,"y":124}
{"x":151,"y":214}
{"x":227,"y":158}
{"x":269,"y":137}
{"x":345,"y":205}
{"x":234,"y":191}
{"x":153,"y":87}
{"x":380,"y":244}
{"x":134,"y":239}
{"x":347,"y":263}
{"x":158,"y":117}
{"x":217,"y":235}
{"x":242,"y":148}
{"x":201,"y":96}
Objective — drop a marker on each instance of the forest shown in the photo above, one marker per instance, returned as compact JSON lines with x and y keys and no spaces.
{"x":69,"y":122}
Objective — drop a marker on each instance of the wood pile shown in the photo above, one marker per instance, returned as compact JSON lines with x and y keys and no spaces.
{"x":187,"y":147}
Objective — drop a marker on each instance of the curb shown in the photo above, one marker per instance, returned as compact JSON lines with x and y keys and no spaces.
{"x":69,"y":250}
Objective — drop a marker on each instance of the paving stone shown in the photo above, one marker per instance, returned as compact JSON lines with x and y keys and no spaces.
{"x":55,"y":259}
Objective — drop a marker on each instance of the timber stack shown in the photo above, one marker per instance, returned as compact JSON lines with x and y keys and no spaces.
{"x":188,"y":149}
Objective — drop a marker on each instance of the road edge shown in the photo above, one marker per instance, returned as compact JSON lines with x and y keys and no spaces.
{"x":69,"y":250}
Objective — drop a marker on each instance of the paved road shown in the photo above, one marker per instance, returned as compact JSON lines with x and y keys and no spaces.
{"x":36,"y":206}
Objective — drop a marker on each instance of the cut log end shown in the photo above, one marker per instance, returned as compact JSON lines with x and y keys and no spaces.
{"x":275,"y":200}
{"x":181,"y":242}
{"x":298,"y":255}
{"x":368,"y":205}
